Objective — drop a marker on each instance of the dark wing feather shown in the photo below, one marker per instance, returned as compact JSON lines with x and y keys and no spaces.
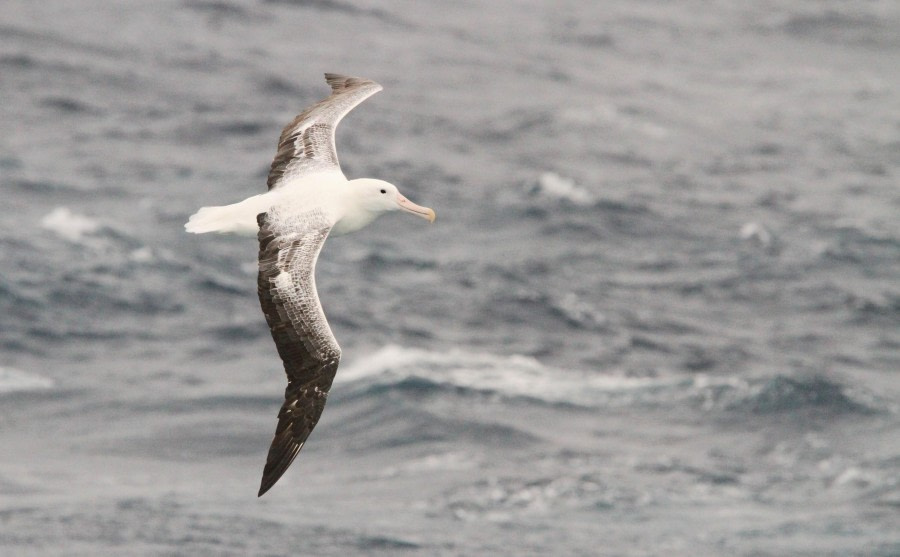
{"x":288,"y":250}
{"x":307,"y":144}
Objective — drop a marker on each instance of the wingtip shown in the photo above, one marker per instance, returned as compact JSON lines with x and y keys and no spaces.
{"x":340,"y":82}
{"x":268,"y":480}
{"x":266,"y":484}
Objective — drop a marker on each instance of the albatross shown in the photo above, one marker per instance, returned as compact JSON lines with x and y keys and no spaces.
{"x":308,"y":199}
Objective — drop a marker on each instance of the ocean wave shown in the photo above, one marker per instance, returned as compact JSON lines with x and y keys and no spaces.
{"x":69,"y":105}
{"x":859,"y":245}
{"x":587,"y":212}
{"x":18,"y":61}
{"x":16,"y":381}
{"x":863,"y":308}
{"x":452,"y":461}
{"x":68,"y":225}
{"x":337,"y":6}
{"x":206,"y":132}
{"x":94,"y":235}
{"x":376,"y":261}
{"x":376,"y":421}
{"x":108,"y":249}
{"x":508,"y":377}
{"x":218,"y":8}
{"x":516,"y":377}
{"x":69,"y":189}
{"x":554,"y":186}
{"x":783,"y":393}
{"x":761,"y":236}
{"x":503,"y":500}
{"x":525,"y":304}
{"x":836,"y":27}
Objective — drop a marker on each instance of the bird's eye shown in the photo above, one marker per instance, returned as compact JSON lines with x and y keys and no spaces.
{"x":383,"y":191}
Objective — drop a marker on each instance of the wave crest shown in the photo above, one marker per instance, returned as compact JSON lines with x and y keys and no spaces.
{"x":517,"y":377}
{"x":510,"y":377}
{"x":16,"y":381}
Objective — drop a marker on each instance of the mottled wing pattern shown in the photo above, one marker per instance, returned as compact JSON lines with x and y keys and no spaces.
{"x":288,"y":249}
{"x":307,"y":144}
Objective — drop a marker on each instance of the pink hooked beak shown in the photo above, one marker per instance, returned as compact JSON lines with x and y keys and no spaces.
{"x":411,"y":207}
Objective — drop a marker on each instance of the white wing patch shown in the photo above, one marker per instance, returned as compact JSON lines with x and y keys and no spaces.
{"x":295,"y":284}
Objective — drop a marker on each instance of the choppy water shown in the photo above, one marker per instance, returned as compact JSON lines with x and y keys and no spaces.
{"x":658,"y":314}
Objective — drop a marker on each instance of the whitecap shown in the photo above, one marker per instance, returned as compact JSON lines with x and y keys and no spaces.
{"x":524,"y":377}
{"x":68,"y":225}
{"x":513,"y":376}
{"x":14,"y":380}
{"x":758,"y":234}
{"x":142,"y":254}
{"x":551,"y":184}
{"x":446,"y":462}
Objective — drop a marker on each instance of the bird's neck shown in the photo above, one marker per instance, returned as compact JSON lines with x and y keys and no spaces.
{"x":354,"y":214}
{"x":354,"y":218}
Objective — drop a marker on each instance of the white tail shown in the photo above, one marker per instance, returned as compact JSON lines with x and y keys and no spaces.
{"x":210,"y":219}
{"x":239,"y":218}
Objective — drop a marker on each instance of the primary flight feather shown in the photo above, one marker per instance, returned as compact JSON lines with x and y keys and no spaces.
{"x":309,"y":198}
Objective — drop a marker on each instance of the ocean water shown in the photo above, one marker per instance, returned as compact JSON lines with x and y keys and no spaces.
{"x":658,"y":313}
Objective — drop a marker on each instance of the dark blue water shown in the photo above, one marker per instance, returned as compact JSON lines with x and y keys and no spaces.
{"x":658,"y":314}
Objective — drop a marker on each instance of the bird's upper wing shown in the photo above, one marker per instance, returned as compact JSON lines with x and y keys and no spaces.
{"x":307,"y":145}
{"x":289,"y":245}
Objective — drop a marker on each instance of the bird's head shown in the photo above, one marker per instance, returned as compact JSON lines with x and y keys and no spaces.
{"x":379,"y":196}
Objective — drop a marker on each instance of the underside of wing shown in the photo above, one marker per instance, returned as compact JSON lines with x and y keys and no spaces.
{"x":288,"y":250}
{"x":307,"y":144}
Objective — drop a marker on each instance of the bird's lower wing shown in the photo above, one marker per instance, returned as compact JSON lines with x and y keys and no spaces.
{"x":289,"y":245}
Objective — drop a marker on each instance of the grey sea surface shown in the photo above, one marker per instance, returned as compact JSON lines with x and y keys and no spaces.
{"x":658,"y":313}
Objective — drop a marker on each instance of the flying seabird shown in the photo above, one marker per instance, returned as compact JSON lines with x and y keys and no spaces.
{"x":308,"y":199}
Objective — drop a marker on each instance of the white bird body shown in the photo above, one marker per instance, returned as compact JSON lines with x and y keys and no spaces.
{"x":342,"y":200}
{"x":309,"y":198}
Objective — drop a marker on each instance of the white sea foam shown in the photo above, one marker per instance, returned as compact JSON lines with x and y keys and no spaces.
{"x":447,"y":461}
{"x":509,"y":376}
{"x":757,"y":233}
{"x":519,"y":376}
{"x":142,"y":254}
{"x":68,"y":225}
{"x":14,"y":380}
{"x":553,"y":185}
